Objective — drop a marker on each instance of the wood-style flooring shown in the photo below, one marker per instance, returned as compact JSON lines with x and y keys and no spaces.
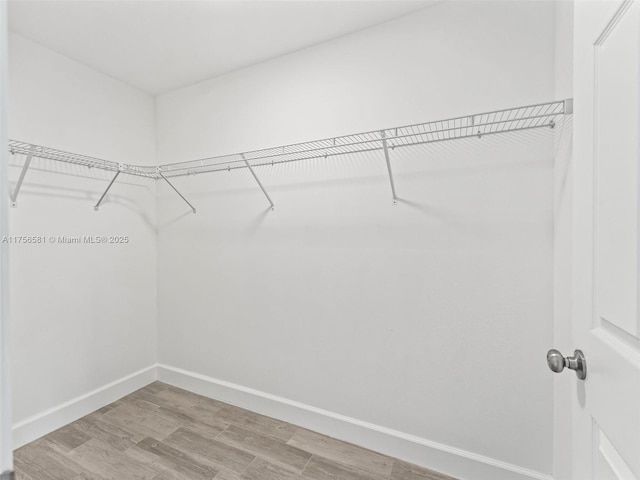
{"x":164,"y":433}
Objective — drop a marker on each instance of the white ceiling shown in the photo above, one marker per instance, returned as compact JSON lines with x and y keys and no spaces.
{"x":158,"y":46}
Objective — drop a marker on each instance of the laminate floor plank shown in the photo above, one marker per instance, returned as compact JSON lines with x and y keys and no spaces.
{"x":107,"y":408}
{"x":34,"y":471}
{"x":225,"y":457}
{"x":323,"y":469}
{"x":188,"y":407}
{"x":162,"y":432}
{"x":177,"y":460}
{"x":207,"y":416}
{"x":168,"y":476}
{"x":271,"y":449}
{"x":155,"y":387}
{"x":23,"y":475}
{"x":164,"y":469}
{"x":87,"y":476}
{"x":109,"y":463}
{"x":140,"y":402}
{"x":226,"y":475}
{"x":163,"y":398}
{"x":375,"y":464}
{"x":140,"y":422}
{"x":262,"y":470}
{"x":256,"y":422}
{"x":185,"y":397}
{"x":44,"y":460}
{"x":185,"y":409}
{"x":68,"y":437}
{"x":112,"y":435}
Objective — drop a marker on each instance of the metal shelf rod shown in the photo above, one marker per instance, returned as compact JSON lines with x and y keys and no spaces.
{"x":258,"y":182}
{"x":97,"y":205}
{"x":176,"y":190}
{"x":25,"y":167}
{"x":386,"y":157}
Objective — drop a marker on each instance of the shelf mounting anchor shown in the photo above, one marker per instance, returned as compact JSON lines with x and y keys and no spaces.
{"x":25,"y":167}
{"x":97,"y":205}
{"x":386,"y":157}
{"x":568,"y":106}
{"x":257,"y":181}
{"x":176,"y":190}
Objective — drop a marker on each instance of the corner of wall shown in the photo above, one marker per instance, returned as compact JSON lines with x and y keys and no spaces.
{"x":157,"y":231}
{"x":58,"y":416}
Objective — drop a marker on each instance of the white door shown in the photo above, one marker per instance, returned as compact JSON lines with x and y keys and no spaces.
{"x":606,"y":443}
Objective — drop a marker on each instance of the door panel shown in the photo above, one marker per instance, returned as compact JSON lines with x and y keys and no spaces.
{"x":614,"y":354}
{"x":606,"y":262}
{"x":609,"y":464}
{"x":616,"y":155}
{"x":613,"y":393}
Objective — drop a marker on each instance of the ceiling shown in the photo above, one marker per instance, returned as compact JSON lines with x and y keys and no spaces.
{"x":158,"y":46}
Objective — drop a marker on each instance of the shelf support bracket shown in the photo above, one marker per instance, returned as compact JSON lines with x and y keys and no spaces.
{"x":568,"y":106}
{"x":385,"y":147}
{"x":25,"y":167}
{"x":257,"y":181}
{"x":176,"y":190}
{"x":97,"y":205}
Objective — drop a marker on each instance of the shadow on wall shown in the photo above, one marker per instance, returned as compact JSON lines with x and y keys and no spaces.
{"x":437,"y":161}
{"x":90,"y":197}
{"x":564,"y":143}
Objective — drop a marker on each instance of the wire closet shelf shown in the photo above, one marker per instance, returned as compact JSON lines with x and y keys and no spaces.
{"x":388,"y":139}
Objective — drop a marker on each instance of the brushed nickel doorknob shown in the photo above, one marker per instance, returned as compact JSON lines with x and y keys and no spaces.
{"x":557,"y":362}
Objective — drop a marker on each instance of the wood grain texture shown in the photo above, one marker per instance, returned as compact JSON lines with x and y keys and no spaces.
{"x":271,"y":449}
{"x":263,"y":470}
{"x":161,"y":432}
{"x":177,"y":460}
{"x":108,"y":463}
{"x":257,"y":423}
{"x":376,"y":465}
{"x":224,"y":456}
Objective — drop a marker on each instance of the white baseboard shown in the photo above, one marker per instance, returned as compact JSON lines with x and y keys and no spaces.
{"x":443,"y":458}
{"x":38,"y":425}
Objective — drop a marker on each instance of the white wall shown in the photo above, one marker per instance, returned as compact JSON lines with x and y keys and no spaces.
{"x":82,"y":316}
{"x":449,"y":60}
{"x":430,"y":318}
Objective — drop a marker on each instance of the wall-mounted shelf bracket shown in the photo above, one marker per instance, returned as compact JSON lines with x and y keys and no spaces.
{"x":385,"y":147}
{"x":568,"y":106}
{"x":257,"y":181}
{"x":25,"y":167}
{"x":97,"y":205}
{"x":176,"y":190}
